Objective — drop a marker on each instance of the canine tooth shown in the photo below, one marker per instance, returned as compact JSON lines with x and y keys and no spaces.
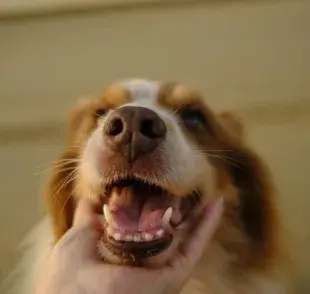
{"x":166,"y":217}
{"x":128,"y":238}
{"x":148,"y":237}
{"x":137,"y":238}
{"x":160,"y":233}
{"x":106,"y":213}
{"x":117,"y":236}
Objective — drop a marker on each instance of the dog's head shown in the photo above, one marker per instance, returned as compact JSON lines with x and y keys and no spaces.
{"x":150,"y":155}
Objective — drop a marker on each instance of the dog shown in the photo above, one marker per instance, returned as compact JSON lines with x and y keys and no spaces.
{"x":150,"y":155}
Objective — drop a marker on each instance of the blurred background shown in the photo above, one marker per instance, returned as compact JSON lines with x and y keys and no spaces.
{"x":249,"y":56}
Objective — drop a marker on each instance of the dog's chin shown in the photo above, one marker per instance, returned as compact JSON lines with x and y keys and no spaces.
{"x":142,"y":220}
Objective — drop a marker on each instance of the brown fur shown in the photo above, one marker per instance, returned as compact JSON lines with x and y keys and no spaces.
{"x":61,"y":187}
{"x":250,"y":207}
{"x":249,"y":230}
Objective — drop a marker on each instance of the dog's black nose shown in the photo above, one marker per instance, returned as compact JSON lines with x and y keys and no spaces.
{"x":134,"y":131}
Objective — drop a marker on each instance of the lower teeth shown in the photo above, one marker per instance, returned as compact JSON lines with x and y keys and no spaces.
{"x":137,"y":237}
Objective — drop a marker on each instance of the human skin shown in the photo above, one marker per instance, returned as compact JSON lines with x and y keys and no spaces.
{"x":74,"y":266}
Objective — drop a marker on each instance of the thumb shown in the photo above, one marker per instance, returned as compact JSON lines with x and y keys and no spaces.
{"x":82,"y":239}
{"x":200,"y":238}
{"x":84,"y":213}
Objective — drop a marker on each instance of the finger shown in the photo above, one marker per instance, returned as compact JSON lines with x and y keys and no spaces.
{"x":79,"y":244}
{"x":95,"y":277}
{"x":200,"y":238}
{"x":120,"y":279}
{"x":84,"y":213}
{"x":81,"y":241}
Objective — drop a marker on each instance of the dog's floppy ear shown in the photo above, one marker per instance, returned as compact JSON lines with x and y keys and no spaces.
{"x":257,"y":208}
{"x":253,"y":208}
{"x":60,"y":188}
{"x":80,"y":119}
{"x":59,"y":192}
{"x":254,"y":184}
{"x":232,"y":123}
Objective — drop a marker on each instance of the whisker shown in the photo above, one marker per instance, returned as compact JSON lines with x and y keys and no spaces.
{"x":98,"y":115}
{"x":57,"y":164}
{"x":214,"y":150}
{"x":64,"y":183}
{"x":223,"y":156}
{"x":69,"y":148}
{"x":68,"y":179}
{"x":64,"y":160}
{"x":232,"y":161}
{"x":57,"y":195}
{"x":70,"y":195}
{"x":57,"y":172}
{"x":177,"y":110}
{"x":205,"y":152}
{"x":226,"y":159}
{"x":40,"y":172}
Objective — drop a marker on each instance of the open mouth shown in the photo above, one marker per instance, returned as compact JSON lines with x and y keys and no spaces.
{"x":141,"y":218}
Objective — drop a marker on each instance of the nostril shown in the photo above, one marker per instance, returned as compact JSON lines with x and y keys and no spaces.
{"x":152,"y":128}
{"x":116,"y":127}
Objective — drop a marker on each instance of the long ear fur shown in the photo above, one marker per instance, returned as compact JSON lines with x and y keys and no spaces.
{"x":257,"y":210}
{"x":60,"y":189}
{"x":232,"y":123}
{"x":59,"y":193}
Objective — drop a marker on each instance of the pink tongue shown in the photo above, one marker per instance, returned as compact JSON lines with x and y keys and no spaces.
{"x":151,"y":214}
{"x":125,"y":221}
{"x":131,"y":212}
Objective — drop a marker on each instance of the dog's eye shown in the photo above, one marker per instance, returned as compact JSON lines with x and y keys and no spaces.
{"x":101,"y":112}
{"x":192,"y":118}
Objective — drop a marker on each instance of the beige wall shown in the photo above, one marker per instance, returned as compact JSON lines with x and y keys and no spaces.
{"x":252,"y":56}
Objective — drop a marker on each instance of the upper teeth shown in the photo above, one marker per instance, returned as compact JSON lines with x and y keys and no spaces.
{"x":166,"y":217}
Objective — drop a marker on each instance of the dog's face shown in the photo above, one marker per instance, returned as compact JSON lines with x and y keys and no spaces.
{"x":150,"y":156}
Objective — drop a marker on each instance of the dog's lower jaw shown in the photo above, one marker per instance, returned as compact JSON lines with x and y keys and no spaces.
{"x":156,"y":261}
{"x":109,"y":256}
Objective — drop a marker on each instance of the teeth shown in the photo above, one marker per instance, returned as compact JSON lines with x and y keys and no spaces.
{"x":117,"y":236}
{"x":137,"y":238}
{"x":128,"y":238}
{"x":166,"y":217}
{"x":160,"y":233}
{"x":107,"y":213}
{"x":148,"y":237}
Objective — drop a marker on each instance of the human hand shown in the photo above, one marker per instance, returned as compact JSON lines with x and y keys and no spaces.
{"x":74,"y":266}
